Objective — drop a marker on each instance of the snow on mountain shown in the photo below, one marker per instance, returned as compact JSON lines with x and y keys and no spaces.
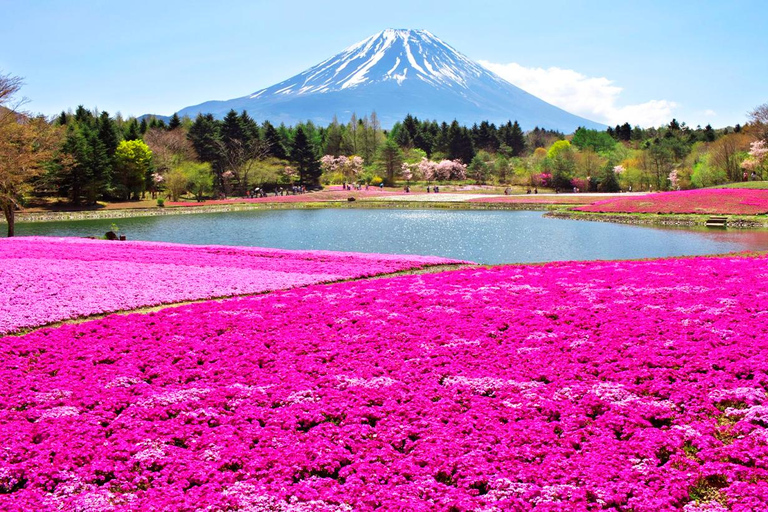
{"x":397,"y":72}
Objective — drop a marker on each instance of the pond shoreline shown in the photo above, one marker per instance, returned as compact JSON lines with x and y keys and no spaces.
{"x":22,"y":217}
{"x":555,"y":211}
{"x":647,"y":219}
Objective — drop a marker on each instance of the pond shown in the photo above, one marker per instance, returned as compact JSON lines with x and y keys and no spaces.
{"x":481,"y":236}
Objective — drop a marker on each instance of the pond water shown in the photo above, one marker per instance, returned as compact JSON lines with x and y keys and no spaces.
{"x":480,"y":236}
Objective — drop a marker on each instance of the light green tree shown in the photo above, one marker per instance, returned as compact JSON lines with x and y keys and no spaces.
{"x":199,"y":178}
{"x":481,"y":167}
{"x":133,"y":159}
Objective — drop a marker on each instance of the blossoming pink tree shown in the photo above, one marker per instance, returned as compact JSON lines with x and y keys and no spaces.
{"x":349,"y":167}
{"x":758,"y":155}
{"x":674,"y":179}
{"x":445,"y":170}
{"x":406,"y":171}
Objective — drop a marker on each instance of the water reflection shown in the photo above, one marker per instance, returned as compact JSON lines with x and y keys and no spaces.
{"x":481,"y":236}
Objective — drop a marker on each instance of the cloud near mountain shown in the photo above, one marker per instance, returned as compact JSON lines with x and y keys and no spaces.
{"x":595,"y":98}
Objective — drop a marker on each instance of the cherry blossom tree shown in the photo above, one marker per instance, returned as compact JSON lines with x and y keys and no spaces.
{"x":349,"y":167}
{"x":758,"y":156}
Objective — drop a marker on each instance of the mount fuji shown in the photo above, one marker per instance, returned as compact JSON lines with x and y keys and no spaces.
{"x":394,"y":73}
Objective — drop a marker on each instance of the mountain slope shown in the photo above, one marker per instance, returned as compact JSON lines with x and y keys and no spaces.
{"x":396,"y":72}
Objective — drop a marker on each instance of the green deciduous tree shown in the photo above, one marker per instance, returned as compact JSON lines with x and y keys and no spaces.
{"x":132,"y":163}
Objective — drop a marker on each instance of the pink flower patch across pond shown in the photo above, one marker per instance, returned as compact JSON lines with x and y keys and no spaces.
{"x":571,"y":386}
{"x":539,"y":199}
{"x":50,"y":279}
{"x":729,"y":201}
{"x":334,"y":193}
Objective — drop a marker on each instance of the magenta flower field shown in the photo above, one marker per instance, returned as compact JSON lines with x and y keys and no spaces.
{"x":50,"y":279}
{"x":332,"y":193}
{"x":704,"y":201}
{"x":569,"y":386}
{"x":539,"y":199}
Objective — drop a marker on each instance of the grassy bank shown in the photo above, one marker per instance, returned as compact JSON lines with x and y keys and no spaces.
{"x":733,"y":221}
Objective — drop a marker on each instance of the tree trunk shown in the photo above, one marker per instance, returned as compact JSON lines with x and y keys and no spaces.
{"x":9,"y":212}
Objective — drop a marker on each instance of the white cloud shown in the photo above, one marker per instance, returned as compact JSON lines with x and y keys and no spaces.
{"x":591,"y":97}
{"x":709,"y":112}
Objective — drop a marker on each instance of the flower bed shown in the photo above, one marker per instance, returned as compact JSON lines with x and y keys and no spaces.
{"x":440,"y":197}
{"x":332,"y":194}
{"x":575,"y":386}
{"x":51,"y":279}
{"x":541,"y":199}
{"x":703,"y":201}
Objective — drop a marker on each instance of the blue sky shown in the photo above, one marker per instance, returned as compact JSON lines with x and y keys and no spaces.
{"x":699,"y":61}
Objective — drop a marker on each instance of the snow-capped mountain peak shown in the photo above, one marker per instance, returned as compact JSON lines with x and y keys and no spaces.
{"x":393,"y":55}
{"x":394,"y":73}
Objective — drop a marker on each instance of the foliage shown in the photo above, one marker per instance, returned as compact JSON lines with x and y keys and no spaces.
{"x":304,"y":157}
{"x":597,"y":141}
{"x":390,"y":159}
{"x":26,"y":144}
{"x":132,"y":163}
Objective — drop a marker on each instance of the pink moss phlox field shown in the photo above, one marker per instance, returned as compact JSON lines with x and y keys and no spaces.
{"x":537,"y":199}
{"x":50,"y":279}
{"x":332,"y":194}
{"x":572,"y":386}
{"x":703,"y":201}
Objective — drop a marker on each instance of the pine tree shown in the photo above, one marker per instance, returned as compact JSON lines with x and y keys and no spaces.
{"x":175,"y":122}
{"x":512,"y":136}
{"x":86,"y":175}
{"x":232,"y":133}
{"x":251,"y":132}
{"x":333,"y":138}
{"x":390,"y":158}
{"x":133,"y":132}
{"x":108,"y":134}
{"x":460,"y":143}
{"x":304,"y":158}
{"x":274,"y":142}
{"x":608,"y":181}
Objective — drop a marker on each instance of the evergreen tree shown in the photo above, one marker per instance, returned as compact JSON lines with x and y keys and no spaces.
{"x":133,"y":132}
{"x":108,"y":134}
{"x":512,"y":136}
{"x":485,"y":137}
{"x":143,"y":126}
{"x":460,"y":143}
{"x":232,"y":133}
{"x":390,"y":158}
{"x":175,"y":122}
{"x":608,"y":180}
{"x":251,"y":132}
{"x":205,"y":136}
{"x":709,"y":133}
{"x":274,"y":141}
{"x":401,"y":136}
{"x":625,"y":132}
{"x":83,"y":116}
{"x":86,"y":175}
{"x":333,"y":139}
{"x":303,"y":156}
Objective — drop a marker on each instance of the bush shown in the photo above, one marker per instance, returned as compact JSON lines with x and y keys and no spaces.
{"x":160,"y":203}
{"x":376,"y":181}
